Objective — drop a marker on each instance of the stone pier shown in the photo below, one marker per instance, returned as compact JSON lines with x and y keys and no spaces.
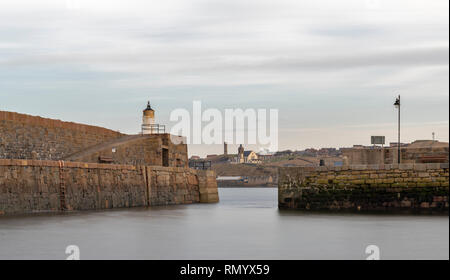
{"x":32,"y":186}
{"x":410,"y":187}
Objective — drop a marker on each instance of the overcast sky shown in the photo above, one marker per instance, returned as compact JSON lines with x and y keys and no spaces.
{"x":332,"y":68}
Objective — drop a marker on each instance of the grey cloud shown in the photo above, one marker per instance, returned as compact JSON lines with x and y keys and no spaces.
{"x":227,"y":51}
{"x":330,"y":61}
{"x":349,"y":32}
{"x":407,"y":57}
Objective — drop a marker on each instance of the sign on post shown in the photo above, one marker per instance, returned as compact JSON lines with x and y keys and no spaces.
{"x":377,"y":140}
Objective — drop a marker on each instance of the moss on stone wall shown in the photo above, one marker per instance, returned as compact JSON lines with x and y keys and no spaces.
{"x":365,"y":187}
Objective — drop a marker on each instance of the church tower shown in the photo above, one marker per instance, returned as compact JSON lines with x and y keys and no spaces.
{"x":148,"y":119}
{"x":241,"y":154}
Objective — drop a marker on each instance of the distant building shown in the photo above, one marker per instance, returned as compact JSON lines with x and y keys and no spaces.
{"x":311,"y":152}
{"x":283,"y":153}
{"x":251,"y":157}
{"x":265,"y":155}
{"x":328,"y":152}
{"x":394,"y":144}
{"x":420,"y":151}
{"x":247,"y":156}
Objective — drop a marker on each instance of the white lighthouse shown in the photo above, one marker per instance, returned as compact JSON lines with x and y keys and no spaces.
{"x":148,"y":120}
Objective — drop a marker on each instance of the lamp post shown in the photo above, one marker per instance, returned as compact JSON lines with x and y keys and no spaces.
{"x":397,"y":105}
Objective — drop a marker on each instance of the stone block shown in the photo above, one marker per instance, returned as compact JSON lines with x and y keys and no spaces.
{"x":322,"y":181}
{"x":405,"y":204}
{"x":441,"y":179}
{"x":209,"y":198}
{"x":359,"y":167}
{"x":431,"y":166}
{"x":406,"y":166}
{"x":424,"y":205}
{"x":388,"y":181}
{"x":357,"y":182}
{"x":375,"y":167}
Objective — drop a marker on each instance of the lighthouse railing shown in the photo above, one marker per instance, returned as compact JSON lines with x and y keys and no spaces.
{"x":153,"y":129}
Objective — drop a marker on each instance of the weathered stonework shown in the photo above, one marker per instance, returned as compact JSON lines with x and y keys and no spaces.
{"x":29,"y":137}
{"x":207,"y":186}
{"x":51,"y":165}
{"x":412,"y":187}
{"x":139,"y":150}
{"x":29,"y":186}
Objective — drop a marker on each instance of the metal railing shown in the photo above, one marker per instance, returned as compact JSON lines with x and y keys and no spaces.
{"x":153,"y":129}
{"x":200,"y":164}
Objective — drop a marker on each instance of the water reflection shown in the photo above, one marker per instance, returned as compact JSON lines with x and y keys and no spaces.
{"x":246,"y":224}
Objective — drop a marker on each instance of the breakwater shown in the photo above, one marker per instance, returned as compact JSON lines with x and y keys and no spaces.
{"x":31,"y":137}
{"x":411,"y":187}
{"x":247,"y":181}
{"x":29,"y":186}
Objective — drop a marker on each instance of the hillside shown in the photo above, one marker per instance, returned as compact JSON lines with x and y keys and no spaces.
{"x":270,"y":168}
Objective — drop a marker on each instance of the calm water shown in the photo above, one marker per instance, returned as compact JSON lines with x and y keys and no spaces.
{"x":246,"y":224}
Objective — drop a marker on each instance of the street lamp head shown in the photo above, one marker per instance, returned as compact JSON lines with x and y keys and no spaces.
{"x":397,"y":102}
{"x":397,"y":105}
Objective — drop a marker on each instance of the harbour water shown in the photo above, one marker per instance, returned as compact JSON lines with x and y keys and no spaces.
{"x":246,"y":224}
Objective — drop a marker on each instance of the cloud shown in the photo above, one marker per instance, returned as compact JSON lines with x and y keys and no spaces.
{"x":283,"y":53}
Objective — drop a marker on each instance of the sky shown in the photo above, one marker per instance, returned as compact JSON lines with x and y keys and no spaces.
{"x":331,"y":68}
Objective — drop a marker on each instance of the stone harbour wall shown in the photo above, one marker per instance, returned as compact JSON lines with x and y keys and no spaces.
{"x":410,"y":187}
{"x":32,"y":186}
{"x":29,"y":137}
